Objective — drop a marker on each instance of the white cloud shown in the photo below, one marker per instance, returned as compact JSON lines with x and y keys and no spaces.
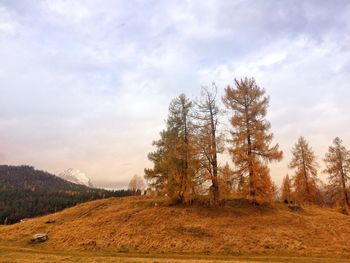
{"x":8,"y":26}
{"x":69,"y":10}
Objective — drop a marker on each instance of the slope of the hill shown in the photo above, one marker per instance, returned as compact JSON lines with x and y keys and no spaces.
{"x":26,"y":192}
{"x":146,"y":225}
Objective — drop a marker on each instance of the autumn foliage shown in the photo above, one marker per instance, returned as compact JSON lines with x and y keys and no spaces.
{"x":338,"y":169}
{"x":286,"y":190}
{"x":251,"y":148}
{"x":305,"y":176}
{"x":186,"y":160}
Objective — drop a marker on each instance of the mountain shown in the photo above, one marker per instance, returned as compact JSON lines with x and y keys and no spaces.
{"x":148,"y":225}
{"x":26,"y":192}
{"x":75,"y":176}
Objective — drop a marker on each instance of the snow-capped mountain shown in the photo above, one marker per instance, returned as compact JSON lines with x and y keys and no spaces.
{"x":75,"y":176}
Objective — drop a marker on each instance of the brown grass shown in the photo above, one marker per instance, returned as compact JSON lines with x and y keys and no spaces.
{"x":146,"y":225}
{"x":15,"y":254}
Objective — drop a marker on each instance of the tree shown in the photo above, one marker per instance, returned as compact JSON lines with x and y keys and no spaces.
{"x":209,"y":140}
{"x":228,"y":181}
{"x":157,"y":176}
{"x":175,"y":160}
{"x":136,"y":184}
{"x":305,"y":177}
{"x":286,"y":190}
{"x":251,"y":150}
{"x":338,"y":168}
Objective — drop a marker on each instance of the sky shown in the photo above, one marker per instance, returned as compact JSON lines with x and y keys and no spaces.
{"x":87,"y":84}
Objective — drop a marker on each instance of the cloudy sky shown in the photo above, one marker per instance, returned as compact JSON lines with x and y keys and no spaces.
{"x":86,"y":84}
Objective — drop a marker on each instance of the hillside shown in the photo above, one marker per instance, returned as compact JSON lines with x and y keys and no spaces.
{"x":148,"y":225}
{"x":27,"y":192}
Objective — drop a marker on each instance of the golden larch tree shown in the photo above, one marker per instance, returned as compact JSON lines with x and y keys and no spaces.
{"x":338,"y":169}
{"x":305,"y":181}
{"x":286,"y":190}
{"x":227,"y":181}
{"x":251,"y":149}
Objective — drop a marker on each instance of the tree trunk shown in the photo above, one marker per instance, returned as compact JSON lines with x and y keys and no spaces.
{"x":345,"y":192}
{"x":215,"y":184}
{"x":249,"y":153}
{"x":305,"y":176}
{"x":251,"y":180}
{"x":186,"y":159}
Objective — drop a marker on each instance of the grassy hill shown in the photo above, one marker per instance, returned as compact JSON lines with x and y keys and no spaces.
{"x":150,"y":225}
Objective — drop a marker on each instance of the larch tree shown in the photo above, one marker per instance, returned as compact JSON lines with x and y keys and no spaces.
{"x":338,"y":168}
{"x":305,"y":178}
{"x":227,"y":181}
{"x":251,"y":149}
{"x":175,"y":159}
{"x":207,"y":115}
{"x":286,"y":190}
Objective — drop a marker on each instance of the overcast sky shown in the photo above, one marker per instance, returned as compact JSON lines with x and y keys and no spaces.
{"x":86,"y":84}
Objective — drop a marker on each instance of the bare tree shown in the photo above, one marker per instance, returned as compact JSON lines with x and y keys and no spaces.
{"x":136,"y":184}
{"x":207,"y":114}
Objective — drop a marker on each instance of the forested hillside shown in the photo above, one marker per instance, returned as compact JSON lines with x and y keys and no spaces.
{"x":26,"y":192}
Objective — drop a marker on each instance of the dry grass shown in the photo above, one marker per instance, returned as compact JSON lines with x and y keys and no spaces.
{"x":15,"y":254}
{"x":146,"y":225}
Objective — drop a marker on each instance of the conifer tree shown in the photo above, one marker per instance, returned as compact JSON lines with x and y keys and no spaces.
{"x":157,"y":176}
{"x":305,"y":178}
{"x":286,"y":190}
{"x":207,"y":115}
{"x":251,"y":149}
{"x":175,"y":159}
{"x":338,"y":168}
{"x":227,"y":181}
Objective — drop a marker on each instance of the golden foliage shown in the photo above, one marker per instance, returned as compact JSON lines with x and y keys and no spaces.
{"x":286,"y":190}
{"x":227,"y":181}
{"x":338,"y":168}
{"x":251,"y":140}
{"x":305,"y":178}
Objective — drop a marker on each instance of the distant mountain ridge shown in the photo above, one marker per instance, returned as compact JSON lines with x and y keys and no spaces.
{"x":27,"y":192}
{"x":76,"y":176}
